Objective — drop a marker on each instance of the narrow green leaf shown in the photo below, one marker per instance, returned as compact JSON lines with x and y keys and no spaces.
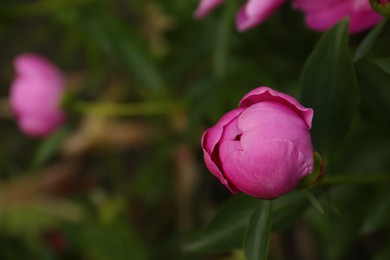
{"x":384,"y":64}
{"x":369,"y":41}
{"x":48,"y":147}
{"x":224,"y":30}
{"x":379,"y":211}
{"x":256,"y":241}
{"x":226,"y":231}
{"x":122,"y":45}
{"x":329,"y":86}
{"x":314,"y":201}
{"x":374,"y":87}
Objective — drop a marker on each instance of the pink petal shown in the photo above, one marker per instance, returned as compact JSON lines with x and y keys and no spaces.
{"x":209,"y":142}
{"x":254,"y":12}
{"x":360,"y":21}
{"x":212,"y":135}
{"x":34,"y":66}
{"x":263,"y":93}
{"x":206,"y":6}
{"x":322,"y":15}
{"x":278,"y":122}
{"x":267,"y":170}
{"x":217,"y":173}
{"x":310,"y":5}
{"x":35,"y":95}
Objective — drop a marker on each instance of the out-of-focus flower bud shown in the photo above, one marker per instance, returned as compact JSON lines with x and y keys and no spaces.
{"x":322,"y":15}
{"x":262,"y":148}
{"x":36,"y":94}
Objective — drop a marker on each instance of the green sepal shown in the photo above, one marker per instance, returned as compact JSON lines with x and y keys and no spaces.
{"x":316,"y":176}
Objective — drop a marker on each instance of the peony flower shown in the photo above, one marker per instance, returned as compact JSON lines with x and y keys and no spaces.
{"x":320,"y":15}
{"x":262,"y":148}
{"x":36,"y":94}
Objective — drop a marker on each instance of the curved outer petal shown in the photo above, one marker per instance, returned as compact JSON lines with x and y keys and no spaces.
{"x":35,"y":95}
{"x":206,"y":6}
{"x":267,"y":170}
{"x":209,"y":142}
{"x":263,"y":93}
{"x":30,"y":65}
{"x":254,"y":12}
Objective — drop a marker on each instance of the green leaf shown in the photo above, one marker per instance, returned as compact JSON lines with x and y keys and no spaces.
{"x":226,"y":231}
{"x":379,"y":212}
{"x":222,"y":41}
{"x":48,"y":147}
{"x":314,"y":201}
{"x":370,"y":39}
{"x":329,"y":86}
{"x":287,"y":209}
{"x":374,"y":87}
{"x":256,"y":241}
{"x":384,"y":64}
{"x":122,"y":44}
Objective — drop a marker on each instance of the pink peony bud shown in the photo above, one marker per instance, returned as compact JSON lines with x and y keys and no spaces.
{"x":262,"y":148}
{"x":322,"y":15}
{"x":35,"y":95}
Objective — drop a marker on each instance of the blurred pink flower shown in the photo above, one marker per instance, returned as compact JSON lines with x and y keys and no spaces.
{"x":252,"y":13}
{"x":320,"y":15}
{"x":262,"y":148}
{"x":35,"y":95}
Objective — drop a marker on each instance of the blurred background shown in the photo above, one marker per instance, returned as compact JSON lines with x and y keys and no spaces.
{"x":135,"y":187}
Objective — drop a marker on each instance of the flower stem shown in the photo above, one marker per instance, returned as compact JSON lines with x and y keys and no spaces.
{"x":133,"y":109}
{"x":257,"y":237}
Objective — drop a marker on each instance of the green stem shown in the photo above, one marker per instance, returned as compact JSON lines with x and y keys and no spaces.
{"x":134,"y":109}
{"x":257,"y":237}
{"x":356,"y":180}
{"x":222,"y":40}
